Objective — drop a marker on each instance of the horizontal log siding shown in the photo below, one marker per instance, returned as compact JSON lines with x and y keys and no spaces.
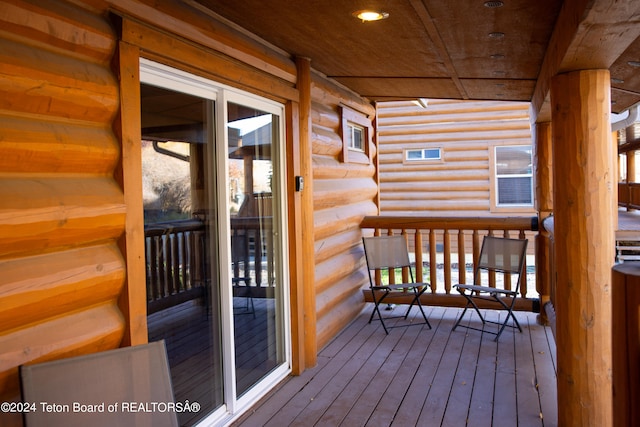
{"x":61,"y":211}
{"x":464,"y":130}
{"x":343,"y":194}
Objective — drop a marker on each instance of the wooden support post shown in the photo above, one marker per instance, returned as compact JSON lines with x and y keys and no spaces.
{"x":133,"y":300}
{"x":584,"y":187}
{"x":307,"y":225}
{"x":544,"y":198}
{"x":626,"y":343}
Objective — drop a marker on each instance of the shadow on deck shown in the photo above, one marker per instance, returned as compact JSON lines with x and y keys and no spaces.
{"x":420,"y":377}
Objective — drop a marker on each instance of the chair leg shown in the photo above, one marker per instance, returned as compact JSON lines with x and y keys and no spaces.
{"x":509,"y":309}
{"x":376,"y":309}
{"x":416,"y":300}
{"x":470,"y":303}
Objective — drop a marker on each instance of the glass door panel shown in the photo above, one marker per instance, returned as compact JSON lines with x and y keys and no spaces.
{"x":214,"y":239}
{"x":252,"y":135}
{"x":180,"y":243}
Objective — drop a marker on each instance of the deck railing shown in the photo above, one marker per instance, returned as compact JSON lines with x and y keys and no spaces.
{"x":177,"y":261}
{"x":629,"y":195}
{"x":450,"y":247}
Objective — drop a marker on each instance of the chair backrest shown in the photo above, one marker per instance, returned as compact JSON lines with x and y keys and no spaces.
{"x":126,"y":386}
{"x":503,"y":255}
{"x":386,"y":252}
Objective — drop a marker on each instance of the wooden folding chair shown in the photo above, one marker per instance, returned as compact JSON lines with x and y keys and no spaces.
{"x":390,"y":252}
{"x":497,"y":255}
{"x":129,"y":386}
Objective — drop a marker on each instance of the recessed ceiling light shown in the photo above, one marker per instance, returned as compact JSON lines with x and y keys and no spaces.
{"x":497,"y":56}
{"x":616,"y":81}
{"x":634,"y":63}
{"x":496,"y":35}
{"x":370,"y":15}
{"x":499,"y":73}
{"x":493,"y":4}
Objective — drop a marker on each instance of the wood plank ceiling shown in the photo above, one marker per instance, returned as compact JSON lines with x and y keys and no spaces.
{"x":464,"y":49}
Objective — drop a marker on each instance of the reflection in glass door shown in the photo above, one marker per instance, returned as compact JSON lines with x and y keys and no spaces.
{"x":252,"y":135}
{"x":215,"y":239}
{"x":182,"y":292}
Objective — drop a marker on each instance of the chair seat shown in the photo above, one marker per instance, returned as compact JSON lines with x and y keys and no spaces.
{"x":400,"y":286}
{"x":486,"y":289}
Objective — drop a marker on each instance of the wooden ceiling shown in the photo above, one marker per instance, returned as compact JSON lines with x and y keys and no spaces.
{"x":463,"y":49}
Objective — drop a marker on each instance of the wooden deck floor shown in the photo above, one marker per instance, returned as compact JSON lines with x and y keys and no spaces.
{"x":420,"y":377}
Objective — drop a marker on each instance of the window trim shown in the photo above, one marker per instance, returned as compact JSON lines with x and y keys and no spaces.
{"x":493,"y":176}
{"x":349,"y":118}
{"x":423,"y":160}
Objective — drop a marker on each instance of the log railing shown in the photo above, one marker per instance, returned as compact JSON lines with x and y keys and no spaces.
{"x":177,"y":263}
{"x":450,"y":248}
{"x":629,"y":195}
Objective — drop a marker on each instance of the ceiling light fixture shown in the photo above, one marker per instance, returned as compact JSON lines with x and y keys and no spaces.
{"x":496,"y":35}
{"x":634,"y":63}
{"x":370,"y":15}
{"x":616,"y":81}
{"x":493,"y":4}
{"x":497,"y":56}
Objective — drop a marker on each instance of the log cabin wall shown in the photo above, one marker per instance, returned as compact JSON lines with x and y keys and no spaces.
{"x":344,"y":192}
{"x":67,"y":208}
{"x":62,"y":211}
{"x":465,"y":131}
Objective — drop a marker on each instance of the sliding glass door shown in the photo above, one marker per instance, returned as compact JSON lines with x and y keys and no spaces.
{"x":215,"y":239}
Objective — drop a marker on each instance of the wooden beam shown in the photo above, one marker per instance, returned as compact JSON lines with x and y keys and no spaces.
{"x":584,"y":233}
{"x":589,"y":34}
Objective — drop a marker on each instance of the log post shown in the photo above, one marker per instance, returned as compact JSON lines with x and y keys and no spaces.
{"x":585,"y":220}
{"x":307,"y":225}
{"x":544,"y":199}
{"x":626,"y":343}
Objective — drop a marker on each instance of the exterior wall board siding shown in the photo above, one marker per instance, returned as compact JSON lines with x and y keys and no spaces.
{"x":466,"y":131}
{"x":343,"y":194}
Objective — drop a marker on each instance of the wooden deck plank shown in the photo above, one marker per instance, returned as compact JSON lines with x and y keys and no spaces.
{"x":505,"y":398}
{"x":367,"y":402}
{"x":457,"y":410}
{"x":364,"y":378}
{"x":294,"y":407}
{"x":378,"y":364}
{"x":398,"y":390}
{"x":544,"y":360}
{"x":434,"y":403}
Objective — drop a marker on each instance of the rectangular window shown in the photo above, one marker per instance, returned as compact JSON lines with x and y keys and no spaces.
{"x":423,"y":154}
{"x":355,"y":137}
{"x":513,"y":176}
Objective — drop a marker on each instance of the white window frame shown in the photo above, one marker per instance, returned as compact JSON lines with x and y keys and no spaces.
{"x":424,"y":158}
{"x":354,"y":143}
{"x":496,"y":206}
